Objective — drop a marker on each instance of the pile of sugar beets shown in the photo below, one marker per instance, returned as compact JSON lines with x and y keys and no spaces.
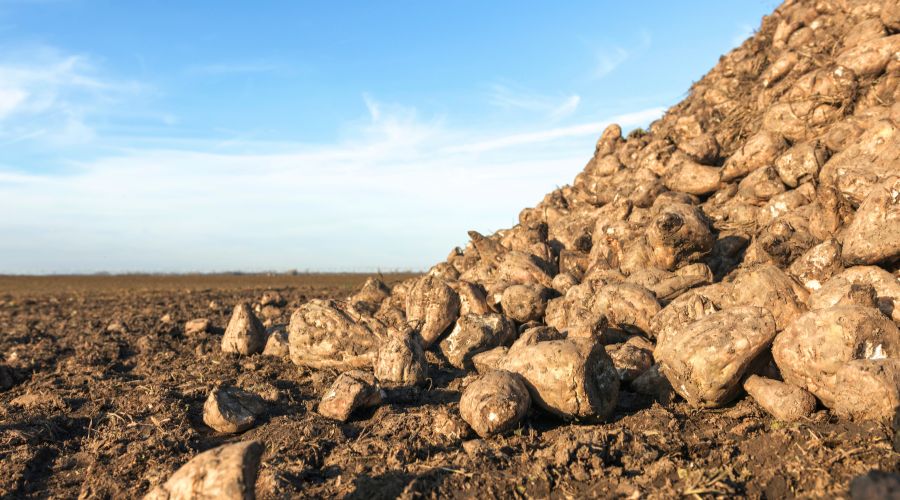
{"x":747,"y":243}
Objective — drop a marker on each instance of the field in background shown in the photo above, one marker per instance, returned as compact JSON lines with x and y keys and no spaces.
{"x":26,"y":285}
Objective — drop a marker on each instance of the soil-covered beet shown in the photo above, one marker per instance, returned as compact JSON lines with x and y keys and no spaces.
{"x":107,"y":413}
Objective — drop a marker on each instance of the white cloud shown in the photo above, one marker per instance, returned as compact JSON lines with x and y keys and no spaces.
{"x":566,"y":108}
{"x":609,"y":58}
{"x":10,"y":99}
{"x":554,"y":107}
{"x":585,"y":129}
{"x":397,"y":191}
{"x":50,"y":95}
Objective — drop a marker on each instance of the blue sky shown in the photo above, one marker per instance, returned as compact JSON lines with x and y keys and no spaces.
{"x":210,"y":136}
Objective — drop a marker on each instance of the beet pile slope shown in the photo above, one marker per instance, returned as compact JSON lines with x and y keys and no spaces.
{"x":752,"y":230}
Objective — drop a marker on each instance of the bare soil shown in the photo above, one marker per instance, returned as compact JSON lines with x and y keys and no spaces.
{"x":109,"y":414}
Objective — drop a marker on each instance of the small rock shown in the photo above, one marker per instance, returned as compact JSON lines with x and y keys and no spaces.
{"x":495,"y":403}
{"x":245,"y":334}
{"x":785,"y":402}
{"x":277,"y":344}
{"x":215,"y":305}
{"x":145,"y":343}
{"x":351,"y":391}
{"x":231,"y":410}
{"x":196,"y":326}
{"x":167,"y":318}
{"x":227,"y":472}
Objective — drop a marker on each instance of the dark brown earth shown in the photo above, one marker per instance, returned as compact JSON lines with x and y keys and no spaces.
{"x":109,"y":414}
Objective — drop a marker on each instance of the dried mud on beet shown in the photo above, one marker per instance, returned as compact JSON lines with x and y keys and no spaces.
{"x":99,"y":413}
{"x":711,"y":309}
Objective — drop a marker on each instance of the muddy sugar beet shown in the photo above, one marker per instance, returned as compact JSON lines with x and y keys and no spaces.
{"x":495,"y":403}
{"x":401,"y":360}
{"x":231,"y":410}
{"x":228,"y":471}
{"x":353,"y":390}
{"x":705,"y":360}
{"x":573,"y":379}
{"x":331,"y":334}
{"x":245,"y":334}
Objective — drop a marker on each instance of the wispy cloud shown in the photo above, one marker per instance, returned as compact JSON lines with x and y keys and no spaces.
{"x":50,"y":95}
{"x":552,"y":134}
{"x":514,"y":97}
{"x":10,"y":100}
{"x":610,"y":57}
